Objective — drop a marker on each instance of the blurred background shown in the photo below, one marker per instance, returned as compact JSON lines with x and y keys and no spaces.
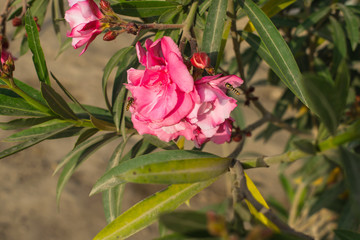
{"x":28,"y":208}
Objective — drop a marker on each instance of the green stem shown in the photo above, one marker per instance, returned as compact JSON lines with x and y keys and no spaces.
{"x":352,"y":133}
{"x":26,"y":97}
{"x":188,"y":24}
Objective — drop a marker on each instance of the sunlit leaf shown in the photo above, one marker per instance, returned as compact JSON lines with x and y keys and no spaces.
{"x":147,"y":211}
{"x":143,"y":8}
{"x":167,"y":167}
{"x":277,"y":47}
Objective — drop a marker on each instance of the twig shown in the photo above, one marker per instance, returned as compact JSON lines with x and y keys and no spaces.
{"x":241,"y":192}
{"x":186,"y":34}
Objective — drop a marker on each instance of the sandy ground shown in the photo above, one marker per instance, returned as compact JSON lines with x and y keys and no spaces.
{"x":28,"y":208}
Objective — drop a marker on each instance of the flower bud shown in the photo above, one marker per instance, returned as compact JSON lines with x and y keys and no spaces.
{"x":105,"y":6}
{"x":16,"y":22}
{"x":109,"y":36}
{"x":200,"y":60}
{"x":35,"y":19}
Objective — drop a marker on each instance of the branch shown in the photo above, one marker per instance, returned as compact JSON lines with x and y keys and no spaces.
{"x":241,"y":192}
{"x":186,"y":34}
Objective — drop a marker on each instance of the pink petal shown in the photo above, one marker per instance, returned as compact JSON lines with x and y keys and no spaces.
{"x":134,"y":77}
{"x":168,"y":45}
{"x":141,"y":53}
{"x":179,"y":73}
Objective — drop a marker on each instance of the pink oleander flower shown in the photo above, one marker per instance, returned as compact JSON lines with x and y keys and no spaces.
{"x":211,"y":113}
{"x":84,"y":19}
{"x":163,"y":93}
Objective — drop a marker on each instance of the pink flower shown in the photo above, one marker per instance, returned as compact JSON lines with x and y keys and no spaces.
{"x":83,"y":17}
{"x":163,"y":93}
{"x":211,"y":114}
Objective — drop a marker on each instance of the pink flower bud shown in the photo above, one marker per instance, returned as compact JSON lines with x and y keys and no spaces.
{"x":109,"y":36}
{"x":105,"y":5}
{"x":200,"y":60}
{"x":16,"y":22}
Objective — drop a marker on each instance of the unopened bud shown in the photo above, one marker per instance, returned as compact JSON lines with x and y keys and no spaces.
{"x":35,"y":19}
{"x":10,"y":63}
{"x":248,"y":134}
{"x":110,"y":35}
{"x":16,"y":21}
{"x":200,"y":60}
{"x":237,"y":138}
{"x":105,"y":5}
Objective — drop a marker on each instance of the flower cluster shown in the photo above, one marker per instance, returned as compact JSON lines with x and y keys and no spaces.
{"x":84,"y":19}
{"x":168,"y":102}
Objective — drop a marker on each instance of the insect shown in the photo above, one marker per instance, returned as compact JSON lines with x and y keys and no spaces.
{"x":130,"y":102}
{"x":230,"y":87}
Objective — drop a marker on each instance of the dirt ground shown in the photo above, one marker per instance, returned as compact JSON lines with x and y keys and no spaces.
{"x":28,"y":208}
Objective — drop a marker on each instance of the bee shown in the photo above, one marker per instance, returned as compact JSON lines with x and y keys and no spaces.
{"x":130,"y":102}
{"x":230,"y":87}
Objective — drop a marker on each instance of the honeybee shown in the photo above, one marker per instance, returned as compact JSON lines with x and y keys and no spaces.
{"x":130,"y":102}
{"x":230,"y":87}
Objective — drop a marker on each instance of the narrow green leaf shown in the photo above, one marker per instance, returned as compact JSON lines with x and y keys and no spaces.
{"x":23,"y":123}
{"x":214,"y":29}
{"x":128,"y":61}
{"x":118,"y":108}
{"x":56,"y":102}
{"x":352,"y":25}
{"x":78,"y":155}
{"x":286,"y":184}
{"x":346,"y":234}
{"x":188,"y":223}
{"x":276,"y":46}
{"x":305,"y":145}
{"x":160,"y":144}
{"x":224,"y":38}
{"x":146,"y":212}
{"x":167,"y":167}
{"x":258,"y":45}
{"x":34,"y":45}
{"x":117,"y":58}
{"x":143,"y":9}
{"x":339,"y":41}
{"x":37,"y":130}
{"x":33,"y":141}
{"x":16,"y":106}
{"x":312,"y":19}
{"x":140,"y":148}
{"x":85,"y":135}
{"x":204,"y":6}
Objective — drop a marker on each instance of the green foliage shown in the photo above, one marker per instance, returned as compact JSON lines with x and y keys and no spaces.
{"x":311,"y":49}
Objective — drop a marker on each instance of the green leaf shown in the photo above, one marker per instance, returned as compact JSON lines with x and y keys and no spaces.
{"x":56,"y":102}
{"x":352,"y":25}
{"x":189,"y":223}
{"x":277,"y":48}
{"x":37,"y":130}
{"x":140,"y":148}
{"x":16,"y":106}
{"x":305,"y":145}
{"x":33,"y":141}
{"x":78,"y":155}
{"x":112,"y":197}
{"x":160,"y":144}
{"x":339,"y":41}
{"x":34,"y":45}
{"x":312,"y":19}
{"x":117,"y":58}
{"x":118,"y":108}
{"x":146,"y":212}
{"x":326,"y":98}
{"x":224,"y":39}
{"x":85,"y":135}
{"x":143,"y":9}
{"x":286,"y":184}
{"x":23,"y":123}
{"x":128,"y":61}
{"x":214,"y":29}
{"x":167,"y":167}
{"x":346,"y":234}
{"x":260,"y":48}
{"x":204,"y":6}
{"x":102,"y":125}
